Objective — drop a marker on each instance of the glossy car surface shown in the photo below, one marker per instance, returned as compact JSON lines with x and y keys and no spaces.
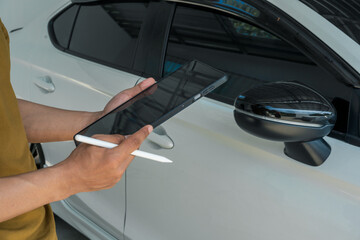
{"x":224,"y":183}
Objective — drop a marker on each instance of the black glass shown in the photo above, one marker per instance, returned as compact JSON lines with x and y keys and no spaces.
{"x":250,"y":55}
{"x":62,"y":26}
{"x":108,"y":32}
{"x":160,"y":101}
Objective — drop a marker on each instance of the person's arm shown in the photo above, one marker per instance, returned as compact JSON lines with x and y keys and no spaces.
{"x":48,"y":124}
{"x":88,"y":168}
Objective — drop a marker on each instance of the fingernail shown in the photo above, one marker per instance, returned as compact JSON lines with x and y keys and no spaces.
{"x":150,"y":129}
{"x":146,"y":83}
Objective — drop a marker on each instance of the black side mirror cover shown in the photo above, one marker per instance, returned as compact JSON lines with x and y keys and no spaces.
{"x":289,"y":112}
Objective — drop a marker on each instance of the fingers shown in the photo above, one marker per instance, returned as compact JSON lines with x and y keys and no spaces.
{"x":92,"y":168}
{"x":146,"y":83}
{"x":126,"y":95}
{"x":114,"y":138}
{"x":131,"y":92}
{"x":133,"y":142}
{"x":129,"y":143}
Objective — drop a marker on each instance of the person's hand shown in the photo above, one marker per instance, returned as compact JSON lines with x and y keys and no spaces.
{"x":126,"y":95}
{"x":91,"y":168}
{"x":116,"y":101}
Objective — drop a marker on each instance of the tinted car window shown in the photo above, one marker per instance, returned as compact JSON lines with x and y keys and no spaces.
{"x":105,"y":33}
{"x":62,"y":26}
{"x":108,"y":32}
{"x":249,"y":54}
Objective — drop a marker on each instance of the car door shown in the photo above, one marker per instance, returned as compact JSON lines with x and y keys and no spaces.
{"x":225,"y":183}
{"x":79,"y":61}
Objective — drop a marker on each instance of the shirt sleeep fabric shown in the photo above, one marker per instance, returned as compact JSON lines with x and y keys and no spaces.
{"x":15,"y":157}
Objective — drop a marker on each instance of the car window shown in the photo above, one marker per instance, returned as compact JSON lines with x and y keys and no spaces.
{"x":62,"y":26}
{"x":249,"y":54}
{"x":107,"y":33}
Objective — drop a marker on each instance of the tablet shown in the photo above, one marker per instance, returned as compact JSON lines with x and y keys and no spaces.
{"x":160,"y":101}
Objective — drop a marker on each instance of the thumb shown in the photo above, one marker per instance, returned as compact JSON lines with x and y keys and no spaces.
{"x":133,"y":142}
{"x":113,"y":138}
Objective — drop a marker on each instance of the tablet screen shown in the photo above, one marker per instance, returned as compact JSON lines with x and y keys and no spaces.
{"x":160,"y":101}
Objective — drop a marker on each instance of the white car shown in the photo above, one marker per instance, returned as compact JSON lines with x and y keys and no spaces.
{"x":224,"y":183}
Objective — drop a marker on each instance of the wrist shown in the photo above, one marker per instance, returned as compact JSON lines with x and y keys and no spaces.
{"x":65,"y":182}
{"x":94,"y":116}
{"x":87,"y":118}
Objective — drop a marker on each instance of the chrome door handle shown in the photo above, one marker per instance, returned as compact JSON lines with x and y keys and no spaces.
{"x":160,"y":138}
{"x":45,"y":84}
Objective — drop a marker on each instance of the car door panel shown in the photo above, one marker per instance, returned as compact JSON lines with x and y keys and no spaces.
{"x":231,"y":185}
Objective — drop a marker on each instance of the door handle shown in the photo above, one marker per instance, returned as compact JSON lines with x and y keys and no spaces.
{"x":160,"y":138}
{"x":45,"y":84}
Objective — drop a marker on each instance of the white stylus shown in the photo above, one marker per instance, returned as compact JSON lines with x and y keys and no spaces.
{"x":104,"y":144}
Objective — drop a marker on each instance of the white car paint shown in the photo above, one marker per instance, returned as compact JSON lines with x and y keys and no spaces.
{"x":246,"y":188}
{"x":342,"y":44}
{"x":19,"y":13}
{"x":223,"y":184}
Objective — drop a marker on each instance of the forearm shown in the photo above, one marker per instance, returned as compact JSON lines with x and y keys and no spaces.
{"x":47,"y":124}
{"x":25,"y":192}
{"x":88,"y":168}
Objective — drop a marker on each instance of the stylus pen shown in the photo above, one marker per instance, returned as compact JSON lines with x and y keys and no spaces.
{"x":104,"y":144}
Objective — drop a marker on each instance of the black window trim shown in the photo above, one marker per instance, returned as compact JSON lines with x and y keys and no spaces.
{"x":161,"y":17}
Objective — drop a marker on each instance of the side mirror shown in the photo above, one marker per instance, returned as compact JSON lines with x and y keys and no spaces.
{"x":291,"y":113}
